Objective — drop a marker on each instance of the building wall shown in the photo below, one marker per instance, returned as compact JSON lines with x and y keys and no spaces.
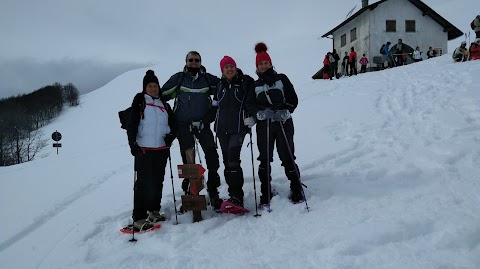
{"x":361,"y":44}
{"x":371,"y":30}
{"x":428,"y":32}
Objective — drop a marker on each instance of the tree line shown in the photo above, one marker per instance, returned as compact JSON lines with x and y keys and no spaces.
{"x":22,"y":116}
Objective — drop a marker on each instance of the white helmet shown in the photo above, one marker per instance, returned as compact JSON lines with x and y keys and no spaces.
{"x":463,"y":43}
{"x":477,"y":40}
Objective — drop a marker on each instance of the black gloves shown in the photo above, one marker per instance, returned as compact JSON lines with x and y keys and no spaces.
{"x":169,"y":140}
{"x":135,"y":150}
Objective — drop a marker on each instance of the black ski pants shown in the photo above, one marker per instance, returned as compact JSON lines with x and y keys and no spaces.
{"x":148,"y":187}
{"x":276,"y":137}
{"x":231,"y":145}
{"x":353,"y":68}
{"x":186,"y":135}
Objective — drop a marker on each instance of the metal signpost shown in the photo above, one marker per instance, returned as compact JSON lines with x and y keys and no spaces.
{"x":56,"y":136}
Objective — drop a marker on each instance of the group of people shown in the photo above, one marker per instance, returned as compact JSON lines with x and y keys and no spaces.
{"x":398,"y":54}
{"x":349,"y":64}
{"x":235,"y":103}
{"x":462,"y":54}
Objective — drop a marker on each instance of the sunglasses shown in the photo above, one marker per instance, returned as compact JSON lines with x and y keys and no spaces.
{"x":194,"y":60}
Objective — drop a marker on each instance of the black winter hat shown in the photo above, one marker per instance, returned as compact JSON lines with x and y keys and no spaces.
{"x":148,"y":78}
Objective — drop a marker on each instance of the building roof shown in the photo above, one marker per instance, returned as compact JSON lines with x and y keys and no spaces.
{"x":453,"y":32}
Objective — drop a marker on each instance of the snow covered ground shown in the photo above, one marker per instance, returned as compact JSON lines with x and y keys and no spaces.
{"x":391,"y":160}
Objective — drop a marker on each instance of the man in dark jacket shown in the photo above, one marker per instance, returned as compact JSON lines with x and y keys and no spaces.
{"x":193,"y":112}
{"x":335,"y":63}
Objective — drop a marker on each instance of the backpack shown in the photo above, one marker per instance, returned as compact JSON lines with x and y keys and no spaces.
{"x":472,"y":24}
{"x":125,"y":114}
{"x":382,"y":51}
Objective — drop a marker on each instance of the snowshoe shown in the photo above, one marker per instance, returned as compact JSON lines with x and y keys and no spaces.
{"x":233,"y":206}
{"x":140,"y":226}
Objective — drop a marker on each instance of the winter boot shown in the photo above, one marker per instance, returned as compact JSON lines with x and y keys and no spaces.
{"x":265,"y":180}
{"x":236,"y":201}
{"x":216,"y":203}
{"x":296,"y":193}
{"x":155,"y":216}
{"x":235,"y":180}
{"x":142,"y":225}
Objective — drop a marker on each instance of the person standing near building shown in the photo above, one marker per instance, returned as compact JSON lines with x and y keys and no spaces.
{"x":387,"y":56}
{"x":327,"y":67}
{"x":194,"y":112}
{"x":345,"y":64}
{"x":335,"y":63}
{"x":431,"y":53}
{"x":272,"y":100}
{"x":363,"y":62}
{"x":417,"y":55}
{"x":353,"y":61}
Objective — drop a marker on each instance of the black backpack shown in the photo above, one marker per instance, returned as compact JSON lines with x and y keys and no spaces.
{"x":382,"y":51}
{"x":124,"y":115}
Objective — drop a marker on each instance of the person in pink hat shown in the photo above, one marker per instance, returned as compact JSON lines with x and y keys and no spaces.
{"x":272,"y":100}
{"x":231,"y":125}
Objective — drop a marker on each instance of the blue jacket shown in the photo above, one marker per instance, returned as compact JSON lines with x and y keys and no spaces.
{"x":192,"y":98}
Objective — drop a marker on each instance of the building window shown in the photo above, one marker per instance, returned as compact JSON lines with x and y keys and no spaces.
{"x":410,"y":26}
{"x":353,"y":34}
{"x":391,"y":26}
{"x":343,"y":40}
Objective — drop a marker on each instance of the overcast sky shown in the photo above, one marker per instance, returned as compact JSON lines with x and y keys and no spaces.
{"x":90,"y":42}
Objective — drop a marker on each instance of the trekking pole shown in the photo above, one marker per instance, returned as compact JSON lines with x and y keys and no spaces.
{"x":198,"y":150}
{"x":268,"y":166}
{"x":173,"y":188}
{"x":253,"y":175}
{"x":133,"y":221}
{"x":295,"y":165}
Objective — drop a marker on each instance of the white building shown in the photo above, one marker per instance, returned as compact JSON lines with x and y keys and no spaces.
{"x":389,"y":20}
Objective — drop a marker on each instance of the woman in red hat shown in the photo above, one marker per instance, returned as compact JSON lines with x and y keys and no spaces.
{"x":272,"y":100}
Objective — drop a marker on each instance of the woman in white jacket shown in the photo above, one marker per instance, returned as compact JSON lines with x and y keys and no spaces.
{"x":149,"y":136}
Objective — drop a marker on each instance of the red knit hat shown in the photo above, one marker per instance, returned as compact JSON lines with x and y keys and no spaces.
{"x":262,"y":55}
{"x":227,"y":60}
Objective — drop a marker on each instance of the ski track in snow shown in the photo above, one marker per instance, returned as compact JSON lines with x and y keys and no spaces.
{"x":58,"y":208}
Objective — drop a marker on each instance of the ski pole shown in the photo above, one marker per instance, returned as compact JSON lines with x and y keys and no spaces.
{"x":197,"y":149}
{"x":253,"y":175}
{"x":173,"y":188}
{"x":294,"y":164}
{"x":268,"y":166}
{"x":133,"y":220}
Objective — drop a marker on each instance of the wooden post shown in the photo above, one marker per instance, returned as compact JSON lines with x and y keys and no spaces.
{"x":194,"y":173}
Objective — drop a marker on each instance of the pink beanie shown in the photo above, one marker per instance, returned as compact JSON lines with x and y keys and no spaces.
{"x":227,"y":60}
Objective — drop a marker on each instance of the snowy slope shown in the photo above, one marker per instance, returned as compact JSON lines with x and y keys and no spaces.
{"x":391,"y":160}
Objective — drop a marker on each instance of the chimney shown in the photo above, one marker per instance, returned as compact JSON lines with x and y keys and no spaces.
{"x":364,"y":3}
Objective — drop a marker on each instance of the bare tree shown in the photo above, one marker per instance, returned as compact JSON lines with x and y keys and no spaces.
{"x":71,"y":94}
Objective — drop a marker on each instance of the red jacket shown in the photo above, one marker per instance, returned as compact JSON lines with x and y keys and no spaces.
{"x":353,"y":56}
{"x":475,"y":51}
{"x":326,"y":61}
